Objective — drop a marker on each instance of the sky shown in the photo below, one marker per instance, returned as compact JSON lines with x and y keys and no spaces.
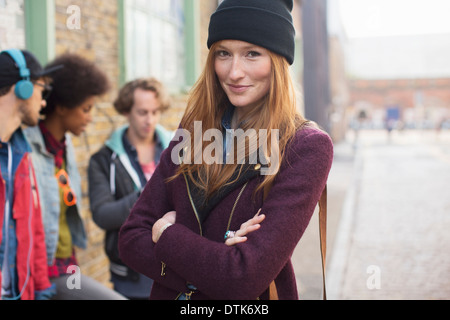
{"x":374,"y":18}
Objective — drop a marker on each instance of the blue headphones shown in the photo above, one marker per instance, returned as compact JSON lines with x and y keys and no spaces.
{"x":24,"y":88}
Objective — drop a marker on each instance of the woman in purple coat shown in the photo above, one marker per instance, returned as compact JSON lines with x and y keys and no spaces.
{"x":236,"y":188}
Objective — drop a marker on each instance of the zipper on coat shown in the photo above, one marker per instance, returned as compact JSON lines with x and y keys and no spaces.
{"x":189,"y":294}
{"x":112,"y":174}
{"x":193,"y":205}
{"x":235,"y":204}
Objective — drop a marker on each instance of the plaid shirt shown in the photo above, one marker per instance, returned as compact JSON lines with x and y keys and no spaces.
{"x":59,"y":267}
{"x":55,"y":147}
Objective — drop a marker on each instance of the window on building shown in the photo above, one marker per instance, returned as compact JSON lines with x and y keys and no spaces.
{"x":12,"y":24}
{"x":155,"y":41}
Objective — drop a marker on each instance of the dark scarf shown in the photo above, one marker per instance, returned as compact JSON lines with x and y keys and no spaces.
{"x":205,"y":205}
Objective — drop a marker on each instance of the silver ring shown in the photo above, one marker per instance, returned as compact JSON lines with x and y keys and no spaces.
{"x":230,"y":234}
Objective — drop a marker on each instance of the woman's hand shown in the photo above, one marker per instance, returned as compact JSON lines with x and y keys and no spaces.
{"x":246,"y":228}
{"x":162,"y":224}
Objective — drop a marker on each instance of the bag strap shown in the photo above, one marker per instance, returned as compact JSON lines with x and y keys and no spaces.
{"x":273,"y":292}
{"x":323,"y":235}
{"x":323,"y":240}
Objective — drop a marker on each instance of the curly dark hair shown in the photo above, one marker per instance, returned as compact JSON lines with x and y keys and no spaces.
{"x":125,"y":99}
{"x":79,"y":80}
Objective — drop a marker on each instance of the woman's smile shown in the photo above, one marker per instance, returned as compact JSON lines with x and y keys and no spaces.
{"x":238,"y":88}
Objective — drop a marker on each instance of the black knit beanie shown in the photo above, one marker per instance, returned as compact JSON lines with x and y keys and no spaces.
{"x":266,"y":23}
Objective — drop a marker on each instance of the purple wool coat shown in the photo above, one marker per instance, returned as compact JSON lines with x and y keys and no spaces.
{"x":194,"y":252}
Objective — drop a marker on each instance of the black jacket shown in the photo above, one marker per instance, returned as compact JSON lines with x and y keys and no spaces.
{"x":115,"y":183}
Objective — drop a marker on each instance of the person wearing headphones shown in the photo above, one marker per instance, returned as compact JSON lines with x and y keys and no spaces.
{"x":23,"y":260}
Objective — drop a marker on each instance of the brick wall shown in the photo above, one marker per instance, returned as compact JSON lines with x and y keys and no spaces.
{"x":419,"y":99}
{"x":402,"y":91}
{"x":206,"y":7}
{"x":96,"y":40}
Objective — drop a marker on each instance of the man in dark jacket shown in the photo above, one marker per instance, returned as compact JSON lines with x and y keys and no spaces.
{"x":120,"y":170}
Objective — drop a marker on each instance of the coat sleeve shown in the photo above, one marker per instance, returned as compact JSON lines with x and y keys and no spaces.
{"x":246,"y":270}
{"x":136,"y":247}
{"x":107,"y":212}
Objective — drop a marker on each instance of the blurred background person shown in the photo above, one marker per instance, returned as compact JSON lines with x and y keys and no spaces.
{"x":23,"y":272}
{"x":121,"y":168}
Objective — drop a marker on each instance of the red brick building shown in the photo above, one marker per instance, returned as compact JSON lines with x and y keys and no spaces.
{"x":423,"y":103}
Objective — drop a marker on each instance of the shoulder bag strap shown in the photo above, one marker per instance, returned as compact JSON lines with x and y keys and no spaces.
{"x":323,"y":235}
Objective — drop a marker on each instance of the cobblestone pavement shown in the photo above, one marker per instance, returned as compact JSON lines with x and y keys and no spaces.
{"x":389,"y":221}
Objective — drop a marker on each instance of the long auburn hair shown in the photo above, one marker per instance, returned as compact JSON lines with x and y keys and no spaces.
{"x":208,"y":102}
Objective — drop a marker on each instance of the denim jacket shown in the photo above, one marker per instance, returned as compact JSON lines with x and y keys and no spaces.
{"x":44,"y":164}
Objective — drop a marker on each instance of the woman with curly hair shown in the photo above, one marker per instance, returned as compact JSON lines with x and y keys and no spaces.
{"x":226,"y":229}
{"x":75,"y":88}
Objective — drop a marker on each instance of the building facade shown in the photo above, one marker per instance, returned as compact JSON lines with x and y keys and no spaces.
{"x":412,"y":103}
{"x":401,"y":79}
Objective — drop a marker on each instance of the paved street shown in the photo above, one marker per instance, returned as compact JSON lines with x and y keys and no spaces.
{"x":389,"y":216}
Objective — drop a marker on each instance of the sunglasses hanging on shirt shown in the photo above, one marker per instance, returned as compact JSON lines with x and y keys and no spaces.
{"x":68,"y":195}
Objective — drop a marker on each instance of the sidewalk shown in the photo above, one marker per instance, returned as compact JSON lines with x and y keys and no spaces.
{"x":392,"y":237}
